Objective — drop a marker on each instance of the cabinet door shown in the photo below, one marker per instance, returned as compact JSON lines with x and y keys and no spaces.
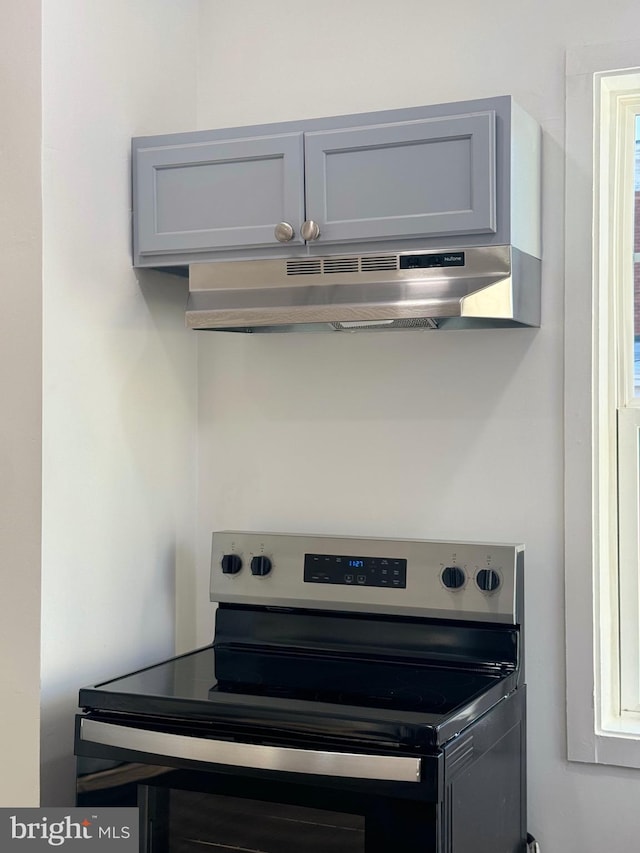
{"x":418,"y":178}
{"x":220,"y":194}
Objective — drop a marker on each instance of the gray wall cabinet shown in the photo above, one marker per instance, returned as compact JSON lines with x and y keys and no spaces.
{"x":446,"y":175}
{"x":204,"y":196}
{"x":405,"y":179}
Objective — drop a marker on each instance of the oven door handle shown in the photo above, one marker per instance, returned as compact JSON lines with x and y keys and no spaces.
{"x":257,"y":756}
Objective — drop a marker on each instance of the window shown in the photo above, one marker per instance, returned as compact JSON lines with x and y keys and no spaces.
{"x":602,"y":407}
{"x":616,"y":400}
{"x":626,"y":251}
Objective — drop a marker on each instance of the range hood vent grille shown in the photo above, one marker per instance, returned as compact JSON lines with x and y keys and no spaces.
{"x":304,"y":267}
{"x":381,"y":262}
{"x":328,"y":266}
{"x":336,"y":265}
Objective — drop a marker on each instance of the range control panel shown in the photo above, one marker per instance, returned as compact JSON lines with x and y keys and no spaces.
{"x":450,"y":580}
{"x":366,"y":571}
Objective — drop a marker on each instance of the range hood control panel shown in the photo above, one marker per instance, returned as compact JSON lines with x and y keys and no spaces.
{"x":430,"y":261}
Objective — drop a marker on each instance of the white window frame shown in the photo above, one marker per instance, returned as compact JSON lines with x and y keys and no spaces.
{"x":627,"y":106}
{"x":597,"y":77}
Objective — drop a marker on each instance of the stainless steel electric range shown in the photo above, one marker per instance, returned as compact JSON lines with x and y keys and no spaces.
{"x":359,"y":695}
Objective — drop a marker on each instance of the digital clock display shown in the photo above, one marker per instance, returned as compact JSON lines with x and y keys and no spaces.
{"x":357,"y":571}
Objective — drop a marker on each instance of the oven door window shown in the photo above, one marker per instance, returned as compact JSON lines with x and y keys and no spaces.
{"x":179,"y":821}
{"x":195,"y":811}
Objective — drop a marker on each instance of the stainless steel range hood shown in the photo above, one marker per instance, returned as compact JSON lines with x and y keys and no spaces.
{"x":485,"y":287}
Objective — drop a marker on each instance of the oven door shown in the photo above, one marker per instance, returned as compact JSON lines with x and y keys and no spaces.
{"x":199,"y":794}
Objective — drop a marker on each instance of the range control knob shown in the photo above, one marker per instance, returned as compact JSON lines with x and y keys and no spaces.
{"x":488,"y":580}
{"x":260,"y":565}
{"x":231,"y":564}
{"x":453,"y":577}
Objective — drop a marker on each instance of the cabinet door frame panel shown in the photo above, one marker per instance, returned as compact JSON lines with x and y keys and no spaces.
{"x":479,"y":128}
{"x":150,"y":161}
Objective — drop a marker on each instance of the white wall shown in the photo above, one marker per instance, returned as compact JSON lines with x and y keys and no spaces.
{"x":425,"y":434}
{"x":20,"y":421}
{"x":119,"y":366}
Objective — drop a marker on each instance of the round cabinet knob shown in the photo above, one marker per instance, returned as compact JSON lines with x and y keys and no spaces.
{"x":453,"y":577}
{"x":260,"y":566}
{"x":309,"y":230}
{"x":284,"y":232}
{"x":488,"y":580}
{"x":231,"y":564}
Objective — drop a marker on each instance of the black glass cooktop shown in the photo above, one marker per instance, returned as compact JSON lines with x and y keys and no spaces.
{"x":314,"y":695}
{"x":369,"y":684}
